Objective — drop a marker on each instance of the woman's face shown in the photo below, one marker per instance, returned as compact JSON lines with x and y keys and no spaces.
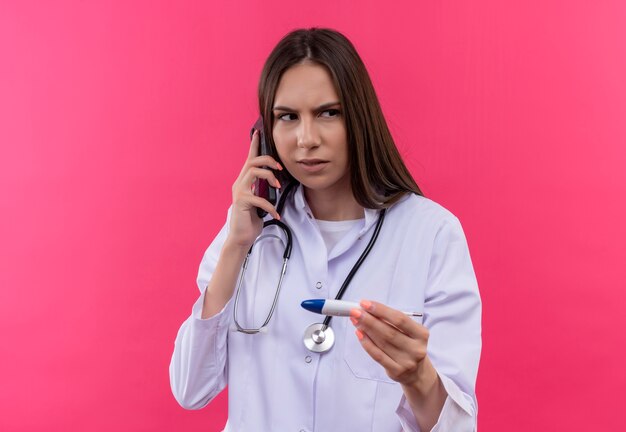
{"x":309,"y":129}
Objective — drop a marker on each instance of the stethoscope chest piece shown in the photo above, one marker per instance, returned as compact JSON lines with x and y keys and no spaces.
{"x":319,"y":337}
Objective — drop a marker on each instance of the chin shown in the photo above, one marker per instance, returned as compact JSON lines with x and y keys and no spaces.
{"x":322,"y":185}
{"x":321,"y":182}
{"x":313,"y":185}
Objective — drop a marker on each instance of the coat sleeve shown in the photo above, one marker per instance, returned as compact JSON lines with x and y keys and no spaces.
{"x":452,"y":314}
{"x":198,"y":368}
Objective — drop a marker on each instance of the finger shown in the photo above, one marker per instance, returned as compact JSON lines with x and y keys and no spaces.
{"x":247,"y":202}
{"x":401,"y":369}
{"x":396,"y":318}
{"x":264,"y":204}
{"x":255,"y":173}
{"x":264,"y":161}
{"x":406,"y":352}
{"x":254,"y":146}
{"x":386,"y":337}
{"x":377,"y":354}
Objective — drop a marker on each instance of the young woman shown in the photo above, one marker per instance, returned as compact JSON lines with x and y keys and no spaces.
{"x":359,"y":224}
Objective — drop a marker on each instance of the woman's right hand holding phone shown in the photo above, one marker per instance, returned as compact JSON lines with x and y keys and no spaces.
{"x":245,"y":224}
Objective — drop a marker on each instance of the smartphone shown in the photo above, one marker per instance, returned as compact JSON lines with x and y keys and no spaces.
{"x":261,"y":187}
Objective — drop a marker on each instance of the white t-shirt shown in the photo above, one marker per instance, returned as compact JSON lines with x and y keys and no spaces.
{"x":333,"y":231}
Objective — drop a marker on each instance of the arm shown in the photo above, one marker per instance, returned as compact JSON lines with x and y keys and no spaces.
{"x":245,"y":227}
{"x":453,"y":312}
{"x":222,"y":284}
{"x":436,"y":363}
{"x":399,"y":345}
{"x":198,"y":366}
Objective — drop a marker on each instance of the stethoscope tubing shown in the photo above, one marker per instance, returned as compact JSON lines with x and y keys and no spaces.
{"x":286,"y":255}
{"x":316,"y":330}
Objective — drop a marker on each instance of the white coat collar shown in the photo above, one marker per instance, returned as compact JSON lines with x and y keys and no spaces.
{"x":371,"y":215}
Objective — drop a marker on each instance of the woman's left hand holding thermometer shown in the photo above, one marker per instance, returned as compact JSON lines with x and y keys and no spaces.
{"x":399,"y":344}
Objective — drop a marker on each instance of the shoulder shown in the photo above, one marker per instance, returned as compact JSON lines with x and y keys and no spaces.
{"x":417,"y":220}
{"x":414,"y":210}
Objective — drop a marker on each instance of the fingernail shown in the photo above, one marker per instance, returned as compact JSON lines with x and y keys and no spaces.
{"x":278,"y":184}
{"x":354,"y":320}
{"x":279,"y":166}
{"x":359,"y":334}
{"x":366,"y":304}
{"x":356,"y":313}
{"x":277,"y":216}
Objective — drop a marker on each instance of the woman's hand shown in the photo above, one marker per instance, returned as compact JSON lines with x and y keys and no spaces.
{"x":399,"y":345}
{"x":393,"y":339}
{"x":245,"y":224}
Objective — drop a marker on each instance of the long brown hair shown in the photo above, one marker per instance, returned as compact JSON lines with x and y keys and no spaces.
{"x":378,"y":175}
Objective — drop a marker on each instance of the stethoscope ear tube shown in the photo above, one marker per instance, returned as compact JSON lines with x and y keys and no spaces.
{"x":286,"y":256}
{"x":274,"y":302}
{"x":286,"y":230}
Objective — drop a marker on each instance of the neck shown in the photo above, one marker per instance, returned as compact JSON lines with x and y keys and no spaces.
{"x":333,"y":205}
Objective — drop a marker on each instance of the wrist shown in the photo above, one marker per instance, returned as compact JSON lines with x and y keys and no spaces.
{"x":233,"y":247}
{"x":426,"y":395}
{"x":426,"y":380}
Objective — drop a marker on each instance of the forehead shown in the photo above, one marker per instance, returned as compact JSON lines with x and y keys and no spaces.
{"x":305,"y":85}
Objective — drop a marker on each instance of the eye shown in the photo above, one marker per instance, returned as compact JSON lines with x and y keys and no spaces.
{"x":283,"y":117}
{"x":331,"y":113}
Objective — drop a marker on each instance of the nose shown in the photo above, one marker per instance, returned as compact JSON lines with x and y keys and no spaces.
{"x":308,"y":135}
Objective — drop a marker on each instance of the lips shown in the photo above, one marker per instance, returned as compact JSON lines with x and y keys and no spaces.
{"x":311,"y":161}
{"x":312,"y":165}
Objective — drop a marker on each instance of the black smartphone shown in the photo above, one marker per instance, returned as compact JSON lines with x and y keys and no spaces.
{"x":261,"y":187}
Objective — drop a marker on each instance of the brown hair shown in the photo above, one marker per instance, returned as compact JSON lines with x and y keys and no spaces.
{"x":379,"y":177}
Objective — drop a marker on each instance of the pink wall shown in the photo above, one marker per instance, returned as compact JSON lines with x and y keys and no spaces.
{"x":123,"y":126}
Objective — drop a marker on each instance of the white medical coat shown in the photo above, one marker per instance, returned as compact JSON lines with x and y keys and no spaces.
{"x":420,"y":262}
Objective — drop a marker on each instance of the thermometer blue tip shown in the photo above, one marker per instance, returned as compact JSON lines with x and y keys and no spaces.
{"x":315,"y":305}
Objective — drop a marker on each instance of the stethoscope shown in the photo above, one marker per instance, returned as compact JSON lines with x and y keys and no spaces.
{"x":318,"y":337}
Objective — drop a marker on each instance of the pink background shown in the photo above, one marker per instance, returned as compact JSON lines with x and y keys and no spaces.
{"x":124,"y":124}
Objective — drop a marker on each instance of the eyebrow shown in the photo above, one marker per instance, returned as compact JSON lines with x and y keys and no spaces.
{"x":319,"y":108}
